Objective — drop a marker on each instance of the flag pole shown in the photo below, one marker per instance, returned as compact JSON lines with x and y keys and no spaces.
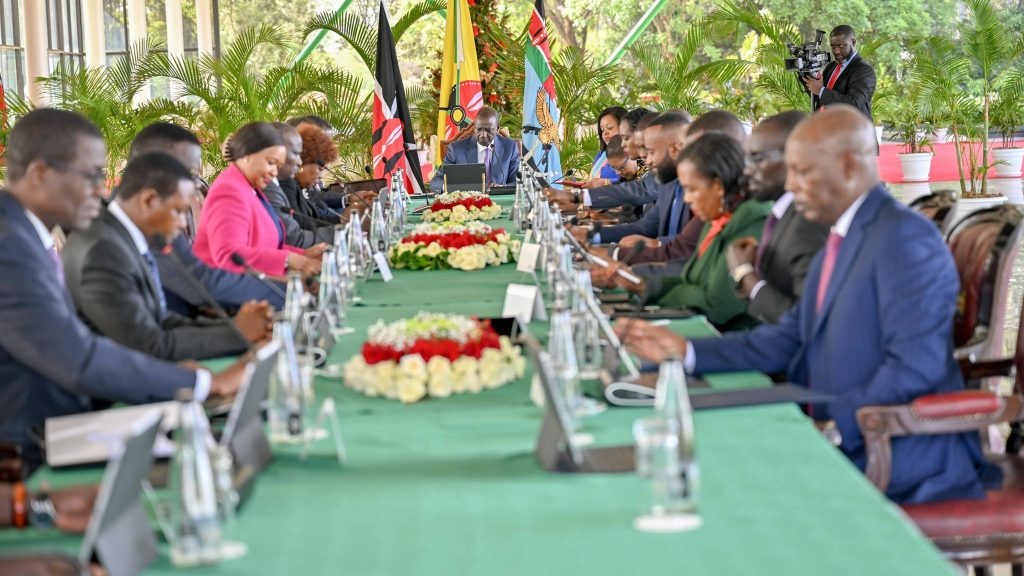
{"x":639,"y":28}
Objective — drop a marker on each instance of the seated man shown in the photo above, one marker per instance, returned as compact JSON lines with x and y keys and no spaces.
{"x":498,"y":154}
{"x":876,"y":324}
{"x":50,"y":363}
{"x":115,"y":282}
{"x":670,"y":213}
{"x":229,"y":289}
{"x":770,"y":274}
{"x":299,"y":230}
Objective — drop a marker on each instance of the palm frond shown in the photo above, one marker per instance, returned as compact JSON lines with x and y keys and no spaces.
{"x":414,"y":14}
{"x":357,"y":33}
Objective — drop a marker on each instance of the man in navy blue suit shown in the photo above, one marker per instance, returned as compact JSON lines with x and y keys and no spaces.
{"x":874,"y":325}
{"x":231,"y":290}
{"x":498,"y":154}
{"x":50,"y":363}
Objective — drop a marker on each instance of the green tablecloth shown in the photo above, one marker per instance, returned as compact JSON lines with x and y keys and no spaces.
{"x":451,"y":486}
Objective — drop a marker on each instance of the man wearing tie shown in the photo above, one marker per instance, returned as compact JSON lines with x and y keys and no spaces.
{"x":770,"y":274}
{"x":50,"y":363}
{"x":115,"y":282}
{"x":498,"y":154}
{"x":875,"y":324}
{"x":848,"y":80}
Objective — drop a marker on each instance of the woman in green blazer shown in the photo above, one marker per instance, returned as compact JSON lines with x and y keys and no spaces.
{"x":711,"y":171}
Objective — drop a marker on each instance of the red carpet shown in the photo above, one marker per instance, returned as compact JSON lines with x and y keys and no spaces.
{"x":943,"y":164}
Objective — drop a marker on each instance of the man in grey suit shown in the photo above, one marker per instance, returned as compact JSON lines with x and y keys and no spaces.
{"x":771,"y":275}
{"x":115,"y":282}
{"x":50,"y":363}
{"x":298,"y":230}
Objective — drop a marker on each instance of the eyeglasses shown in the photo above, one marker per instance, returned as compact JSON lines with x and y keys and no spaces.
{"x":755,"y":158}
{"x":95,"y":178}
{"x":620,"y":167}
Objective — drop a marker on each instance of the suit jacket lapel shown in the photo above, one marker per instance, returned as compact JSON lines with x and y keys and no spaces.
{"x":851,"y":245}
{"x":778,"y":233}
{"x":152,"y":300}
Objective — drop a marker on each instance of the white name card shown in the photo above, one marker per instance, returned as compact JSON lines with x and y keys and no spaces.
{"x":525,"y":302}
{"x":383,"y":266}
{"x":528,"y":256}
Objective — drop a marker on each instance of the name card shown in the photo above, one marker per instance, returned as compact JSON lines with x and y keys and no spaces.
{"x":525,"y":302}
{"x":528,"y":256}
{"x":383,"y":266}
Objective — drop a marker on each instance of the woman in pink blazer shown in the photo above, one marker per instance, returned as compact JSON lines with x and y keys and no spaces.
{"x":236,"y":216}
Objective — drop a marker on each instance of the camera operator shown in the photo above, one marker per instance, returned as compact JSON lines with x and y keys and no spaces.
{"x":848,"y":80}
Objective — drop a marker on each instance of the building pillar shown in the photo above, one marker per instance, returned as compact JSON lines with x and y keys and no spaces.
{"x":36,"y":49}
{"x":137,"y":32}
{"x":94,"y":41}
{"x":204,"y":26}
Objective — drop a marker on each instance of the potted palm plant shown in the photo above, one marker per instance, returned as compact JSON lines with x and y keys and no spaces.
{"x":901,"y":114}
{"x":1007,"y":114}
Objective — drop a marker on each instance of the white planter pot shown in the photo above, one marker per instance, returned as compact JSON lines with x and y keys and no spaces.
{"x":1008,"y":161}
{"x":1012,"y":188}
{"x":967,"y":206}
{"x":916,"y":167}
{"x":941,"y":135}
{"x":878,"y":134}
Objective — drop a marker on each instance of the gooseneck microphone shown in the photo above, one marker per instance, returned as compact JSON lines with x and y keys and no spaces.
{"x":238,"y":260}
{"x":161,"y":244}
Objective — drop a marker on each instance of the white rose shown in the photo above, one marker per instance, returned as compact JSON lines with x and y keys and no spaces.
{"x":432,"y":250}
{"x":440,"y":387}
{"x":460,"y":209}
{"x":410,"y":390}
{"x":413,"y":367}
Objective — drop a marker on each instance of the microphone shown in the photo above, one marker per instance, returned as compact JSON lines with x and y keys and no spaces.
{"x":238,"y":260}
{"x":161,"y":244}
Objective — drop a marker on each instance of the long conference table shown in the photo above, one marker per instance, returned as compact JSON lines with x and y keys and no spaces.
{"x":451,"y":486}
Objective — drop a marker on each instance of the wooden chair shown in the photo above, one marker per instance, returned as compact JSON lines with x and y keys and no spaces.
{"x":984,"y":246}
{"x":939,"y":207}
{"x":975,"y":533}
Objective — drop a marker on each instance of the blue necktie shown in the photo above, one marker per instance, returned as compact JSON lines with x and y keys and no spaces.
{"x":675,"y":212}
{"x":154,"y":273}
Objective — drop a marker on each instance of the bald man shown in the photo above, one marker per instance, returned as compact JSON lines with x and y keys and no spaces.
{"x":874,"y":325}
{"x":498,"y":154}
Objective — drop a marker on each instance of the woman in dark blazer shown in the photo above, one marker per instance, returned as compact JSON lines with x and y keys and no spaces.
{"x":710,"y":171}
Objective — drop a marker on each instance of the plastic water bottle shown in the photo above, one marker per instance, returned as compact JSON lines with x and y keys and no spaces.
{"x":672,"y":404}
{"x":195,"y":517}
{"x":562,"y":347}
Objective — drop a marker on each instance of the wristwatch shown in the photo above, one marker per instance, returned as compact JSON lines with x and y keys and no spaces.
{"x":740,"y":272}
{"x":575,"y":196}
{"x":41,"y":512}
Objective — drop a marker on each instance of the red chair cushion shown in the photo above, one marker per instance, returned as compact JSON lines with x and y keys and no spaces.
{"x":1000,"y":514}
{"x":954,"y":404}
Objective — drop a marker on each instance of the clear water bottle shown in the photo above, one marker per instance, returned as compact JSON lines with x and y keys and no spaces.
{"x":586,"y":328}
{"x":195,"y":518}
{"x":294,"y":300}
{"x":562,"y":347}
{"x":286,"y":396}
{"x":378,"y":227}
{"x":672,"y":404}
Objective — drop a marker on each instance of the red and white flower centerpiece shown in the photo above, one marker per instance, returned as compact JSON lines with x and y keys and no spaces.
{"x":433,"y":355}
{"x":462,"y":207}
{"x":469,"y":246}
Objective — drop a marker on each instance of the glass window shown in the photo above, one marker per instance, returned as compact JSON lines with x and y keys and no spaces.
{"x":115,"y":28}
{"x":65,"y":37}
{"x":12,"y":63}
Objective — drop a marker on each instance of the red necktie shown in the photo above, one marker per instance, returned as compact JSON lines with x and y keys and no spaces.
{"x":827,"y":266}
{"x":766,"y":237}
{"x":835,"y":75}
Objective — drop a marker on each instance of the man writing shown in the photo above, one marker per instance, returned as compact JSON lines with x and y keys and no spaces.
{"x":498,"y":154}
{"x":771,"y":274}
{"x":848,"y":80}
{"x":875,"y":326}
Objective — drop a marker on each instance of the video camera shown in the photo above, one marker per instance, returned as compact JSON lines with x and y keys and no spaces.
{"x":808,"y":58}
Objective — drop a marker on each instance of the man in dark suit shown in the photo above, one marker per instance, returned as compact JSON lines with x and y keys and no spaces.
{"x":771,"y":274}
{"x":876,"y":324}
{"x":229,"y":289}
{"x":498,"y":154}
{"x":668,"y":217}
{"x":50,"y":363}
{"x":300,"y":230}
{"x":115,"y":282}
{"x":847,"y":80}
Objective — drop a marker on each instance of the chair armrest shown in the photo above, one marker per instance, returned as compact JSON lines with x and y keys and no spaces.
{"x":975,"y":369}
{"x":947,"y":413}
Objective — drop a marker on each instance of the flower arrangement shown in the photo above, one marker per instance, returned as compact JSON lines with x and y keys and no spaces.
{"x":462,"y":207}
{"x":470,"y":246}
{"x":433,"y":355}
